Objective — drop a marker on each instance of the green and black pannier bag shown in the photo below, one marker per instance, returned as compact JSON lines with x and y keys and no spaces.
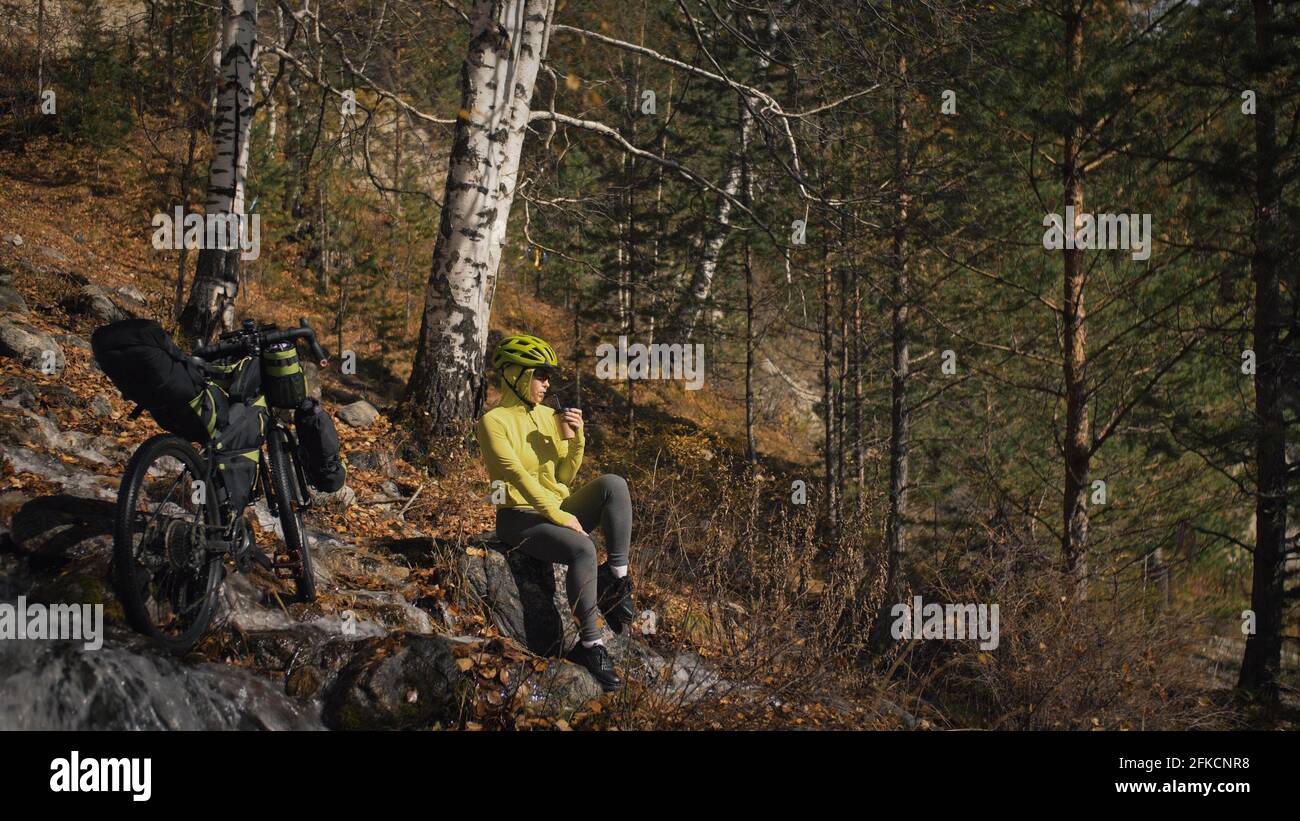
{"x":318,"y":447}
{"x":283,"y":380}
{"x":147,"y":367}
{"x":238,"y":448}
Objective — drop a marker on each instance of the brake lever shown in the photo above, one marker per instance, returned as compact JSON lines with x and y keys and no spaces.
{"x":322,"y":358}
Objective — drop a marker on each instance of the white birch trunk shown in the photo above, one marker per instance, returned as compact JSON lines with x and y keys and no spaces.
{"x":448,"y":384}
{"x":211,"y":303}
{"x":693,"y":301}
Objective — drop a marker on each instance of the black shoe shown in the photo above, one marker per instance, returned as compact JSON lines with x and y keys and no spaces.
{"x":614,"y":598}
{"x":597,"y":661}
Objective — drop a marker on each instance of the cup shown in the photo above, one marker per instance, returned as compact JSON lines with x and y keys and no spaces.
{"x":566,"y":432}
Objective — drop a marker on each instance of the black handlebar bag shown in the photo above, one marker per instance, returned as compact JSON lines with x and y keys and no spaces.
{"x":283,"y":379}
{"x":147,"y":367}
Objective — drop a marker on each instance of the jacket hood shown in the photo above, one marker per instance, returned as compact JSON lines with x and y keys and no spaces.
{"x":520,"y":378}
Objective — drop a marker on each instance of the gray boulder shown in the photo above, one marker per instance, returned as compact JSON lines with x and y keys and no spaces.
{"x":563,"y":687}
{"x":54,"y":254}
{"x":74,"y":481}
{"x":381,"y":461}
{"x":28,"y":344}
{"x":359,"y":414}
{"x":73,"y":341}
{"x":18,"y":392}
{"x":133,"y":296}
{"x":526,"y":596}
{"x":95,"y":302}
{"x":404,"y":684}
{"x":11,"y":300}
{"x":47,"y":685}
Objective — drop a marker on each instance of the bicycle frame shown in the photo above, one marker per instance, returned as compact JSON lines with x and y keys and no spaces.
{"x":219,"y":536}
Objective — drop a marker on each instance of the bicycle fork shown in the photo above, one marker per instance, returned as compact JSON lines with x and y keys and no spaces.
{"x":289,"y":568}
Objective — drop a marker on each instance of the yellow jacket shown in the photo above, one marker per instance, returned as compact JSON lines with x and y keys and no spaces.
{"x":521,"y":447}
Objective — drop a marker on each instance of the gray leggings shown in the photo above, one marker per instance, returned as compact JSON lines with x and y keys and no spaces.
{"x":603,"y":502}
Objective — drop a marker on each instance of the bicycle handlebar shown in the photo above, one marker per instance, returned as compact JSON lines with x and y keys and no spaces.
{"x":254,"y":340}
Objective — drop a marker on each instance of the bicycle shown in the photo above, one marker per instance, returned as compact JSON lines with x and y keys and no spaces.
{"x":169,"y":558}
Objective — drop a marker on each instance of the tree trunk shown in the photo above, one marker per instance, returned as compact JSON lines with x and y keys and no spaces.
{"x":828,"y":402}
{"x":1261,"y":663}
{"x":1077,"y":430}
{"x":751,"y":448}
{"x":630,"y":263}
{"x":40,"y":50}
{"x":859,"y":459}
{"x":448,"y":384}
{"x":900,"y":419}
{"x":186,"y":171}
{"x":841,"y":391}
{"x":211,"y":303}
{"x":715,"y":237}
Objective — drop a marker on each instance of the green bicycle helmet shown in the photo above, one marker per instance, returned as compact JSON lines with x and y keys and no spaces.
{"x":528,"y":351}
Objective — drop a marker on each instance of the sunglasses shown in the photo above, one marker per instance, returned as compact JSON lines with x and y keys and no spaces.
{"x":543,"y":374}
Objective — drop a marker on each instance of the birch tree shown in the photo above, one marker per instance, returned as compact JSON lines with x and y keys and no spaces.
{"x":693,"y":301}
{"x":211,"y":304}
{"x":447,"y":384}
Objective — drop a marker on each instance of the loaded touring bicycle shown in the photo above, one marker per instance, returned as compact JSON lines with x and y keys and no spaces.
{"x":181,"y":510}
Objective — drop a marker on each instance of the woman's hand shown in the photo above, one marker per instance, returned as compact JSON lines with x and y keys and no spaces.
{"x":573,"y":418}
{"x":574,"y":525}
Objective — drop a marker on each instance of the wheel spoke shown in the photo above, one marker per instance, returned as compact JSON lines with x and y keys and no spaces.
{"x":185,"y":470}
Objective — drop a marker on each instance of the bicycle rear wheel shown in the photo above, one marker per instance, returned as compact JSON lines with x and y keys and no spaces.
{"x":284,"y":476}
{"x":164,"y":575}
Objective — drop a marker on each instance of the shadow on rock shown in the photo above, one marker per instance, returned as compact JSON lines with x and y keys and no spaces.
{"x":51,"y":531}
{"x":63,"y":549}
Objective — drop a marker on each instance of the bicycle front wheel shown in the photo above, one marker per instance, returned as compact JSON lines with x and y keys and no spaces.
{"x":283,"y":477}
{"x":164,"y":575}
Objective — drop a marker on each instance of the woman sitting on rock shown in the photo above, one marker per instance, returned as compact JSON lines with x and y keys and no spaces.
{"x":536,"y":452}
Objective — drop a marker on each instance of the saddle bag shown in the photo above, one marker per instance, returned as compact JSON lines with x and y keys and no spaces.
{"x":144,"y":363}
